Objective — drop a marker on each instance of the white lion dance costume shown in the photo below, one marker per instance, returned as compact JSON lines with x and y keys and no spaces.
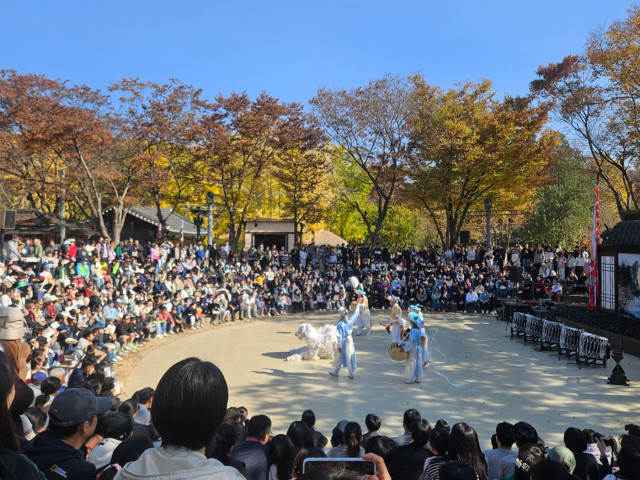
{"x":321,"y":344}
{"x":347,"y":352}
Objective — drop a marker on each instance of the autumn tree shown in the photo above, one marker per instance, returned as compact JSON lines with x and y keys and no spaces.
{"x":467,"y":146}
{"x":596,"y":96}
{"x":237,"y":141}
{"x":301,"y":169}
{"x":370,"y":125}
{"x":160,"y":119}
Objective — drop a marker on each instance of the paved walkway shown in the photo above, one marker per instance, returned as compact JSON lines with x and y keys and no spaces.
{"x":477,"y":375}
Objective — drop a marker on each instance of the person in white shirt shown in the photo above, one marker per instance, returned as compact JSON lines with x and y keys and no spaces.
{"x":471,"y":300}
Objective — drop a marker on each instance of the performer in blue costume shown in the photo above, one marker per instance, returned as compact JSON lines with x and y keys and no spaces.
{"x":413,"y":371}
{"x":346,"y":351}
{"x":426,"y":341}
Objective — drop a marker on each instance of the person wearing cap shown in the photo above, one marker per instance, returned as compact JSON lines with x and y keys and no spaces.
{"x":364,"y":319}
{"x":397,"y":324}
{"x":73,"y":417}
{"x":346,"y":351}
{"x":413,"y":372}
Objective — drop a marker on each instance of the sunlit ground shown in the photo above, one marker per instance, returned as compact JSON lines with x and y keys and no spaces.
{"x":477,"y":375}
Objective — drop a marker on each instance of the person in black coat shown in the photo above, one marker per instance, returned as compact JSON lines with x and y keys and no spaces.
{"x":410,"y":458}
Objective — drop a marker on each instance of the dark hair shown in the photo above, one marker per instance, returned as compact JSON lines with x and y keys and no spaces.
{"x":550,"y":470}
{"x":60,"y":432}
{"x":456,"y":471}
{"x":144,"y":395}
{"x":108,"y":384}
{"x":442,"y":423}
{"x":629,"y":462}
{"x":300,"y":435}
{"x":373,"y":422}
{"x":352,"y":439}
{"x":220,"y":446}
{"x":8,"y":438}
{"x":301,"y":457}
{"x":494,"y":441}
{"x":465,"y":447}
{"x":420,"y":431}
{"x":575,"y":440}
{"x":309,"y":418}
{"x":504,"y":432}
{"x":93,"y":386}
{"x":37,"y":417}
{"x":524,"y":433}
{"x":232,"y":415}
{"x":283,"y":453}
{"x":130,"y":407}
{"x":439,"y":440}
{"x":50,"y":385}
{"x":528,"y":456}
{"x":409,"y":417}
{"x":189,"y":404}
{"x":382,"y":446}
{"x":259,"y":426}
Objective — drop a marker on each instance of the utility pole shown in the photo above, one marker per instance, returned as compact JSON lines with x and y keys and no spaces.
{"x":211,"y":198}
{"x":63,"y":225}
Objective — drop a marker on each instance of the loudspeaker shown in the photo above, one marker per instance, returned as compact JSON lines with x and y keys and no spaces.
{"x":515,"y":274}
{"x":465,"y":237}
{"x":7,"y":219}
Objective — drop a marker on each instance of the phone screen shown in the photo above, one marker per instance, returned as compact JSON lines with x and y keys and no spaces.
{"x":357,"y":465}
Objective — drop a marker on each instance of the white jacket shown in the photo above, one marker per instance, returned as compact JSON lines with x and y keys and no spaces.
{"x":176,"y":464}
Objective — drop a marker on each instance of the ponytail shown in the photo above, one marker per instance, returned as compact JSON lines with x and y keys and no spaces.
{"x":352,"y":437}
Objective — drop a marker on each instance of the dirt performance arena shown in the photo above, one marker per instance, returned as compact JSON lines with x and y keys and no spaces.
{"x":476,"y":375}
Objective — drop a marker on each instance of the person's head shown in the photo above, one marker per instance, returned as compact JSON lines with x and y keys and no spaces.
{"x":465,"y":447}
{"x":189,"y":404}
{"x":528,"y":456}
{"x":337,"y":434}
{"x":524,"y":433}
{"x":563,"y":456}
{"x":259,"y":429}
{"x":130,"y":450}
{"x":115,"y":425}
{"x":298,"y":462}
{"x":300,"y":435}
{"x":373,"y":422}
{"x":409,"y":417}
{"x":129,"y":407}
{"x":629,"y":462}
{"x":352,"y":438}
{"x":442,"y":423}
{"x":382,"y":446}
{"x":38,"y":418}
{"x":420,"y":431}
{"x":309,"y":418}
{"x":73,"y":414}
{"x":504,"y":434}
{"x":439,"y":440}
{"x":283,"y":453}
{"x":144,"y":396}
{"x":549,"y":470}
{"x":575,"y":440}
{"x":456,"y":471}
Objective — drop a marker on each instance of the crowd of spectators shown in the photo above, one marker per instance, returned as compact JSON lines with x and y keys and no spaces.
{"x":86,"y":304}
{"x":183,"y":429}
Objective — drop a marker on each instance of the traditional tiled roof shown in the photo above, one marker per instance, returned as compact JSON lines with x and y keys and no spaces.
{"x":623,"y":234}
{"x":32,"y":221}
{"x":175,"y":222}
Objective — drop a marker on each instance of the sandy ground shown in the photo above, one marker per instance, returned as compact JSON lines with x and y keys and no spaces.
{"x":477,"y":375}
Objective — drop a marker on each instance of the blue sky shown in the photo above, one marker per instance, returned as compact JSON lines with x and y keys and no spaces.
{"x":290,"y":48}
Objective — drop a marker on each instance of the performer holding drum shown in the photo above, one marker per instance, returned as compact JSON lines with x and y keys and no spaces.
{"x":364,"y":318}
{"x":413,"y":371}
{"x":346,"y":350}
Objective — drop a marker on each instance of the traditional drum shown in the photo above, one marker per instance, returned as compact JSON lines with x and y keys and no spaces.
{"x":396,"y":353}
{"x":71,"y":341}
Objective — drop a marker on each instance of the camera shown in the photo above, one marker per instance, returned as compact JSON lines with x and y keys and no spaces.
{"x":608,"y":441}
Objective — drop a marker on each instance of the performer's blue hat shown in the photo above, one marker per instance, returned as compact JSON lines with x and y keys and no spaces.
{"x":360,"y":292}
{"x":415,"y":318}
